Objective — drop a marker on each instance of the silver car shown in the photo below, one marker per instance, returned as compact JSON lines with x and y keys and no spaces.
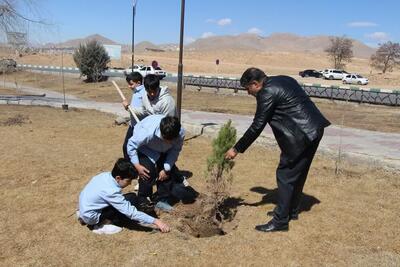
{"x":355,"y":79}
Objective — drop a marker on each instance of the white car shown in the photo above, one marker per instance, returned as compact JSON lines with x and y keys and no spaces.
{"x":355,"y":79}
{"x":144,"y":70}
{"x":333,"y":74}
{"x":135,"y":68}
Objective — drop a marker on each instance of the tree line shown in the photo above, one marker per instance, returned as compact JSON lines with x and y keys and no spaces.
{"x":386,"y":57}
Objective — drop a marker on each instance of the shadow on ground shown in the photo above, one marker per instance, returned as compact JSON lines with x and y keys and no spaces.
{"x":270,"y":196}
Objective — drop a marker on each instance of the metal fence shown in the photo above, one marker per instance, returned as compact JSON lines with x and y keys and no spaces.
{"x":352,"y":93}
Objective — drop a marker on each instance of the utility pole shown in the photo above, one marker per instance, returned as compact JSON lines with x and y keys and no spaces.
{"x":180,"y":65}
{"x":133,"y":31}
{"x":64,"y":106}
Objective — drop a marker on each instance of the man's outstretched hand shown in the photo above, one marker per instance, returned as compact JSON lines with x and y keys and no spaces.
{"x":231,"y":153}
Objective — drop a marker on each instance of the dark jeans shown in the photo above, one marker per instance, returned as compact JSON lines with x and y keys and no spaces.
{"x":128,"y":135}
{"x":115,"y":217}
{"x":163,"y":187}
{"x":291,"y":176}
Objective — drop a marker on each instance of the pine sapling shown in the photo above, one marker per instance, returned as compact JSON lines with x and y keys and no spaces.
{"x":219,"y":169}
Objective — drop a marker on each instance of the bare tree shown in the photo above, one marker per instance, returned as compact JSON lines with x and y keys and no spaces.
{"x":12,"y":14}
{"x":386,"y":57}
{"x":17,"y":18}
{"x":340,"y":51}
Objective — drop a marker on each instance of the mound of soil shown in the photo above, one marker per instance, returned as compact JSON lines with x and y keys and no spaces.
{"x":202,"y":218}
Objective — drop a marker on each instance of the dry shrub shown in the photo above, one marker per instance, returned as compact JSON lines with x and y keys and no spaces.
{"x":16,"y":120}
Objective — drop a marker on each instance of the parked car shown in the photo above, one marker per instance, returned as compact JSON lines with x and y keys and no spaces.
{"x":144,"y":70}
{"x":333,"y":74}
{"x":310,"y":73}
{"x":355,"y":79}
{"x":135,"y":68}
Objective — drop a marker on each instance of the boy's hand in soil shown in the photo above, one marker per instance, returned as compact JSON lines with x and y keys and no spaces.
{"x":164,"y":228}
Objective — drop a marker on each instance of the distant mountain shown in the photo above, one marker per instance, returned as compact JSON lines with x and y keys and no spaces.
{"x":233,"y":42}
{"x":144,"y":46}
{"x":278,"y":42}
{"x":76,"y":42}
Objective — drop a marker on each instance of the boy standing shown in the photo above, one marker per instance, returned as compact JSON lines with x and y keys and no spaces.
{"x":101,"y":202}
{"x":153,"y":149}
{"x":157,"y":99}
{"x":135,"y":83}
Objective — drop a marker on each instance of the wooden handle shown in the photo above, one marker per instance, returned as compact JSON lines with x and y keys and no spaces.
{"x":123,"y":98}
{"x":119,"y":90}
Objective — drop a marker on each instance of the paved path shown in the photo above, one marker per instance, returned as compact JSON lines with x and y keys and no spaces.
{"x":375,"y":148}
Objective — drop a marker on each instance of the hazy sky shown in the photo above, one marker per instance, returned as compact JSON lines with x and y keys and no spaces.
{"x":369,"y":21}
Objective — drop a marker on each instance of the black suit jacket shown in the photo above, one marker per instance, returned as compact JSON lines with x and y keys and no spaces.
{"x":293,"y":117}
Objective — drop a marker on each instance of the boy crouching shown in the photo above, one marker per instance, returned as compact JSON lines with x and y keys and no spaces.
{"x":101,"y":202}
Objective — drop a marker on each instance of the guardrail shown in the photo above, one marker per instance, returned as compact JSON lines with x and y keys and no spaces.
{"x":16,"y":98}
{"x":353,"y":94}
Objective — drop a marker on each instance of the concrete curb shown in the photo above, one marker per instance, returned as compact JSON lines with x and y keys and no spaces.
{"x":269,"y":141}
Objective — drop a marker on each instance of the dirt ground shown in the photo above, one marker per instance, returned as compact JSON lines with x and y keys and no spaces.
{"x":362,"y":116}
{"x":48,"y":155}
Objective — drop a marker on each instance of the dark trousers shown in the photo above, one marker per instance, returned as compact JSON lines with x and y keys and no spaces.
{"x":291,"y":176}
{"x":146,"y":186}
{"x":112,"y":215}
{"x":128,"y":135}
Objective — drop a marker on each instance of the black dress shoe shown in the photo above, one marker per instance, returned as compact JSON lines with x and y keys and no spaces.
{"x":293,"y":217}
{"x":271,"y":227}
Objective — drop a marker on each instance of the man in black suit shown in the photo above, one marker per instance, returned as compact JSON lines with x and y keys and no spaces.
{"x":298,"y":127}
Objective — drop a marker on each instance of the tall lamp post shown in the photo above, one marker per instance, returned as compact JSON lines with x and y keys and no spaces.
{"x":133,"y":31}
{"x":180,"y":65}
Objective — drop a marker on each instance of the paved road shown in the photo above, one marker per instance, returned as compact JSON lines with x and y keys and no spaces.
{"x":375,"y":148}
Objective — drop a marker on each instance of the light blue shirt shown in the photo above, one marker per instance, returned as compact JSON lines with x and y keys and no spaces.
{"x":103,"y":191}
{"x":136,"y":101}
{"x":147,"y":139}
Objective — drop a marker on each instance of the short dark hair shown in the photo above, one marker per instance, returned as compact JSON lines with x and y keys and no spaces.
{"x":170,"y":127}
{"x":124,"y":169}
{"x":151,"y":82}
{"x":134,"y":77}
{"x":251,"y":75}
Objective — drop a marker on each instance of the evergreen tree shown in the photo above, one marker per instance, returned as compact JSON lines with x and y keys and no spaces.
{"x":219,"y":175}
{"x":92,"y":60}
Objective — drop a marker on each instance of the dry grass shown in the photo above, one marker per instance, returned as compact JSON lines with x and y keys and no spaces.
{"x":370,"y":117}
{"x":351,"y":219}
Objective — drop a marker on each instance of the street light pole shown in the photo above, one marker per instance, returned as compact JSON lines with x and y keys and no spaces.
{"x":64,"y":106}
{"x":180,"y":65}
{"x":133,"y":31}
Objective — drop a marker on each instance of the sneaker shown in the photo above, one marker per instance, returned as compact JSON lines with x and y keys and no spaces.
{"x":106,"y":229}
{"x":164,"y":206}
{"x":185,"y":182}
